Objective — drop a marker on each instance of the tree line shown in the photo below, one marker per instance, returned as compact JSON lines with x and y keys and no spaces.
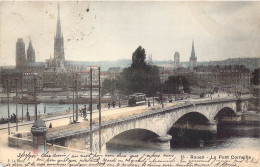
{"x":142,"y":77}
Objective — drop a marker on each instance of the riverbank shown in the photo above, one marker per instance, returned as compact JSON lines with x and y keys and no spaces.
{"x":250,"y":118}
{"x":246,"y":118}
{"x":53,"y":97}
{"x":51,"y":110}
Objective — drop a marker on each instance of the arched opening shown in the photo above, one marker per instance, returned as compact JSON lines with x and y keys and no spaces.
{"x":191,"y":130}
{"x":226,"y":119}
{"x":192,"y":118}
{"x":130,"y":139}
{"x":225,"y":114}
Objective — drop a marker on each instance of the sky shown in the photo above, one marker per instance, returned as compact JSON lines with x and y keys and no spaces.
{"x":113,"y":30}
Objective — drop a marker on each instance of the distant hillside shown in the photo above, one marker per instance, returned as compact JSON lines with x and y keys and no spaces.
{"x":250,"y":63}
{"x":103,"y":64}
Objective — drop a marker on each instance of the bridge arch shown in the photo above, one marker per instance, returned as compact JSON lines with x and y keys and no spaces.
{"x":133,"y":136}
{"x":192,"y":117}
{"x":226,"y":111}
{"x":131,"y":132}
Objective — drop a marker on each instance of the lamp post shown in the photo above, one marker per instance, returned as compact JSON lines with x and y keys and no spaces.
{"x":35,"y":102}
{"x":8,"y":110}
{"x":90,"y":107}
{"x":73,"y":88}
{"x":77,"y":95}
{"x":16,"y":109}
{"x":99,"y":108}
{"x":162,"y":89}
{"x":22,"y":96}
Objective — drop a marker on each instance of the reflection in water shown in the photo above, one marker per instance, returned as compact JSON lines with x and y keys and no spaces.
{"x":229,"y":137}
{"x":182,"y":138}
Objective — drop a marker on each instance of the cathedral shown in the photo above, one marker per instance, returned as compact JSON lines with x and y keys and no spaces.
{"x":57,"y":63}
{"x":177,"y":63}
{"x":30,"y":53}
{"x":20,"y":54}
{"x":24,"y":61}
{"x":28,"y":62}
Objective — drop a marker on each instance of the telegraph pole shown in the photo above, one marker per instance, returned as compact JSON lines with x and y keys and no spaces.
{"x":77,"y":95}
{"x":153,"y":87}
{"x":91,"y":137}
{"x":7,"y":90}
{"x":22,"y":96}
{"x":74,"y":89}
{"x":99,"y":104}
{"x":27,"y":113}
{"x":16,"y":100}
{"x":162,"y":88}
{"x":35,"y":103}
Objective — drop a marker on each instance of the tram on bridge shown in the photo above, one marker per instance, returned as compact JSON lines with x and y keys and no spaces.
{"x":137,"y":99}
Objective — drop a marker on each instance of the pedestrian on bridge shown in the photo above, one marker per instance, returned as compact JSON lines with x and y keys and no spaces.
{"x":114,"y":104}
{"x":70,"y":121}
{"x":11,"y":119}
{"x":28,"y":116}
{"x":84,"y":112}
{"x":98,"y":106}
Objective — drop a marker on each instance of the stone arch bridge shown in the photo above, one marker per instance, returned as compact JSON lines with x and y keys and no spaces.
{"x":157,"y":122}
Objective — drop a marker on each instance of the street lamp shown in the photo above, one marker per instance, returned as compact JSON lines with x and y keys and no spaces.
{"x":77,"y":94}
{"x":8,"y":110}
{"x":99,"y":108}
{"x":16,"y":100}
{"x":22,"y":96}
{"x":36,"y":77}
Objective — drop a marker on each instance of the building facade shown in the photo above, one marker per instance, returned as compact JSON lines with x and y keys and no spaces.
{"x":233,"y":79}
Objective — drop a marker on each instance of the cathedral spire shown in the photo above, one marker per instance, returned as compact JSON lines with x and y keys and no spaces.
{"x":30,"y":45}
{"x":30,"y":53}
{"x":193,"y":58}
{"x":58,"y":30}
{"x":58,"y":40}
{"x":193,"y":50}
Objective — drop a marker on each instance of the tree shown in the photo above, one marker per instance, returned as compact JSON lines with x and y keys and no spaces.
{"x":174,"y":82}
{"x":138,"y":58}
{"x":140,"y":77}
{"x":255,"y":78}
{"x":108,"y":86}
{"x":186,"y":85}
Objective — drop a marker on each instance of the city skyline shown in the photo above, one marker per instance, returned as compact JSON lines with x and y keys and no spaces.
{"x":96,"y":31}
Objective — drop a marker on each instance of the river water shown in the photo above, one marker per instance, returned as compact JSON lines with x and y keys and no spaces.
{"x":50,"y":108}
{"x":229,"y":138}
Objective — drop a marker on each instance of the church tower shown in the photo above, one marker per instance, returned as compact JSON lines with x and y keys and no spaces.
{"x":193,"y":58}
{"x":30,"y":53}
{"x":58,"y":43}
{"x":177,"y":63}
{"x":20,"y":54}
